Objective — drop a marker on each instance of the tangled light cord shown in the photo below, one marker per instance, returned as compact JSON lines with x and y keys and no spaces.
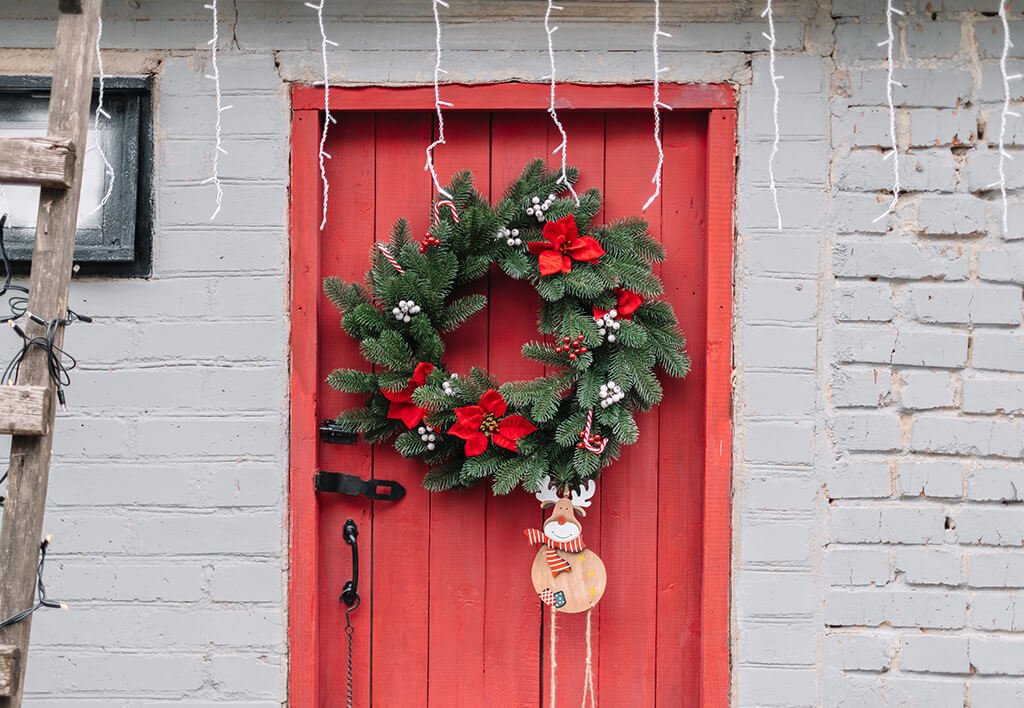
{"x":108,"y":169}
{"x":41,"y":598}
{"x":438,"y":103}
{"x":775,"y":78}
{"x":219,"y":150}
{"x":1005,"y":113}
{"x":889,"y":43}
{"x":552,"y":111}
{"x":328,"y":118}
{"x":656,"y":104}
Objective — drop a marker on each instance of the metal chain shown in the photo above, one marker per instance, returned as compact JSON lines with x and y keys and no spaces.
{"x":349,"y":631}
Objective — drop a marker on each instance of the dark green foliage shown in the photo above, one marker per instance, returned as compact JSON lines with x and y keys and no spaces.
{"x":557,"y":402}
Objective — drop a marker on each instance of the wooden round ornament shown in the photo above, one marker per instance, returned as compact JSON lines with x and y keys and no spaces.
{"x":566,"y":574}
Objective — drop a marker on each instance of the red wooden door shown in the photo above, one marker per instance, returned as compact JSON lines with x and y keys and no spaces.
{"x":449,"y":617}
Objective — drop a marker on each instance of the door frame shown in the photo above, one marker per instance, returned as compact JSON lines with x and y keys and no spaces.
{"x":304,"y":221}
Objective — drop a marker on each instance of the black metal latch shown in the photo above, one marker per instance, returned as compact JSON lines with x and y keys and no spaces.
{"x":377,"y":489}
{"x":331,"y":432}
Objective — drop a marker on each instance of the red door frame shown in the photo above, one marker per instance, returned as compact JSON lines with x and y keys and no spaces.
{"x":307,"y":101}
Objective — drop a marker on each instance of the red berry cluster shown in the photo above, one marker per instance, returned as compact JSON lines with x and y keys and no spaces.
{"x":594,"y":440}
{"x":428,"y":241}
{"x":573,"y":347}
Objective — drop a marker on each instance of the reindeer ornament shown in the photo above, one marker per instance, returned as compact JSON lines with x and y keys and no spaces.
{"x":566,"y":574}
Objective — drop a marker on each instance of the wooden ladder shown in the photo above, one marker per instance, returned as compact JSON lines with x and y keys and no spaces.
{"x":27,"y":409}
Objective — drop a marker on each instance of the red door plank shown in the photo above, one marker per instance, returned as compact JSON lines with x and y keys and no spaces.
{"x":513,"y":622}
{"x":457,"y":526}
{"x":303,"y":627}
{"x":681,"y":464}
{"x":349,"y":231}
{"x":586,"y":131}
{"x":401,"y":540}
{"x":629,"y":490}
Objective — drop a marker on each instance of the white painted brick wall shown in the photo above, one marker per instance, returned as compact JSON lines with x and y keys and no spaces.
{"x":880,"y":363}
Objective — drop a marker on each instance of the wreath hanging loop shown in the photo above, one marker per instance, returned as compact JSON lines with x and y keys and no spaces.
{"x":604,"y":331}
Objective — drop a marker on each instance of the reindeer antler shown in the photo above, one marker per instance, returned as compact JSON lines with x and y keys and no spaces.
{"x":581,"y":497}
{"x":546,"y":493}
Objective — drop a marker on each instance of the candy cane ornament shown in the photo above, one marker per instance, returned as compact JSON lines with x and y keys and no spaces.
{"x":391,"y":259}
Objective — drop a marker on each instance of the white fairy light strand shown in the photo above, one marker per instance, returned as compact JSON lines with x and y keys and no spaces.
{"x":101,"y":113}
{"x":219,"y":150}
{"x":438,"y":103}
{"x":563,"y":147}
{"x":775,"y":78}
{"x":656,"y":104}
{"x":328,"y":118}
{"x":1005,"y":113}
{"x":894,"y":154}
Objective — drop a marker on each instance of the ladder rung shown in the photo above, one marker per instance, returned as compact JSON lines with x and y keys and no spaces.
{"x":48,"y":162}
{"x":9,"y":656}
{"x":23,"y":410}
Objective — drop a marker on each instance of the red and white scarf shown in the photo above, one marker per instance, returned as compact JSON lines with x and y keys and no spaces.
{"x":556,"y":563}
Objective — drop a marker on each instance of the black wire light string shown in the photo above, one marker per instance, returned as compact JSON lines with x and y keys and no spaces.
{"x":42,"y":600}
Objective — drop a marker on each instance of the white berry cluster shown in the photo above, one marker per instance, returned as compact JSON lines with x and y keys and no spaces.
{"x":611,"y":393}
{"x":538,"y":207}
{"x":405,"y":310}
{"x":447,"y":387}
{"x":428,"y":436}
{"x":608,"y":325}
{"x":511,"y":236}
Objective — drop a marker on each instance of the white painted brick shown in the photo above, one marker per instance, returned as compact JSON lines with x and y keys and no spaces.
{"x":855,"y":524}
{"x":779,"y":300}
{"x":209,"y":436}
{"x":966,"y":436}
{"x":922,"y":390}
{"x":995,"y":569}
{"x":990,"y":89}
{"x":866,"y":170}
{"x":769,"y":593}
{"x":857,"y":213}
{"x":853,"y":690}
{"x":855,"y":608}
{"x":189,"y":534}
{"x":979,"y":304}
{"x":861,"y":387}
{"x":867,"y":566}
{"x":998,"y":655}
{"x":80,"y":673}
{"x":931,"y":478}
{"x":912,"y":524}
{"x":782,"y":443}
{"x":983,"y":171}
{"x":921,"y":87}
{"x":998,"y":611}
{"x":774,"y":542}
{"x":779,"y":253}
{"x":930,"y":39}
{"x":1004,"y":265}
{"x":990,"y":526}
{"x":864,"y":344}
{"x":998,"y":351}
{"x":993,"y":395}
{"x":932,"y":128}
{"x":861,"y":127}
{"x":918,"y":691}
{"x":776,"y":686}
{"x":75,"y":580}
{"x":792,"y":643}
{"x":926,"y":566}
{"x":927,"y":609}
{"x":860,"y":479}
{"x":950,"y":214}
{"x":248,"y":582}
{"x":996,"y":694}
{"x":248,"y":675}
{"x":867,"y":431}
{"x":934,"y":654}
{"x":779,"y":394}
{"x":863,"y":652}
{"x":898,"y":260}
{"x":786,"y":347}
{"x":990,"y":483}
{"x":773,"y":492}
{"x":865,"y":302}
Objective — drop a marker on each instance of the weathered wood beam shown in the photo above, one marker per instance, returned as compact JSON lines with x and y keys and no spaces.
{"x":29,"y":470}
{"x":23,"y":409}
{"x":48,"y":162}
{"x":9,"y":673}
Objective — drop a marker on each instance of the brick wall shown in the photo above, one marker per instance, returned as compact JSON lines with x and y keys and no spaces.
{"x":880,"y":365}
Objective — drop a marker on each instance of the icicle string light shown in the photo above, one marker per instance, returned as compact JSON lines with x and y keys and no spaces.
{"x":563,"y":147}
{"x":108,"y":169}
{"x":775,"y":78}
{"x":438,"y":103}
{"x":890,"y":82}
{"x":219,"y":150}
{"x":656,"y":104}
{"x":1005,"y":114}
{"x":328,"y":118}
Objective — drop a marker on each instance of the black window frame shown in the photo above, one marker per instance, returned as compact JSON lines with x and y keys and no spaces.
{"x":131,"y":254}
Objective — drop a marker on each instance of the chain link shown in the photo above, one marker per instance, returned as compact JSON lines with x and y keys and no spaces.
{"x":349,"y":631}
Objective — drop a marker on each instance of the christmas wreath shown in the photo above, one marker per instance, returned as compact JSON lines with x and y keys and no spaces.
{"x":604,"y":331}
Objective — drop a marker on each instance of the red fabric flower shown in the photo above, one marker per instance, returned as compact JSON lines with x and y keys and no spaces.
{"x":402,"y":408}
{"x":478,"y":423}
{"x":627,"y":302}
{"x":563,"y":246}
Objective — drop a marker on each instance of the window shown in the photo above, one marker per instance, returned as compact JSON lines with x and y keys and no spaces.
{"x":117,"y":238}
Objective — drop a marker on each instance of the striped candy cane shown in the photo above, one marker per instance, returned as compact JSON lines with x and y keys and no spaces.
{"x":594,"y":443}
{"x":450,"y":205}
{"x":391,"y":259}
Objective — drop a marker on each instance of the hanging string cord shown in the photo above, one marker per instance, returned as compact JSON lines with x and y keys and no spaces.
{"x":554,"y":662}
{"x":563,"y":147}
{"x":588,"y":676}
{"x":889,"y":43}
{"x":108,"y":169}
{"x":349,"y":631}
{"x":43,"y":600}
{"x":1005,"y":113}
{"x":328,"y":118}
{"x":656,"y":103}
{"x":775,"y":79}
{"x":219,"y":150}
{"x":438,"y":103}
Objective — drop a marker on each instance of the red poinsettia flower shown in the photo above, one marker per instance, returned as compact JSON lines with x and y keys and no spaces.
{"x":402,"y":407}
{"x":626,"y":304}
{"x":478,"y":423}
{"x":563,"y":246}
